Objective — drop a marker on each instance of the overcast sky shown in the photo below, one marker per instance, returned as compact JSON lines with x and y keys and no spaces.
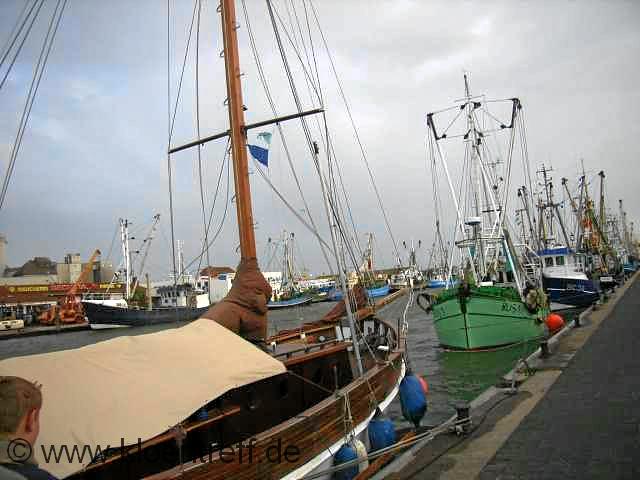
{"x":94,"y":149}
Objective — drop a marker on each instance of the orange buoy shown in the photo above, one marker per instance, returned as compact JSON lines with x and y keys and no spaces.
{"x":554,"y":322}
{"x":425,"y":385}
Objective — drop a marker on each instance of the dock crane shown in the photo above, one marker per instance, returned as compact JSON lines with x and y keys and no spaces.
{"x":69,"y":310}
{"x":147,"y":245}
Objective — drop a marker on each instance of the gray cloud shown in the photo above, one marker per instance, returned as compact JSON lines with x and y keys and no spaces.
{"x":94,"y":149}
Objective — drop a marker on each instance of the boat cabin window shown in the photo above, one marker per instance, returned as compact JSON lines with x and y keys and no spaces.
{"x":560,"y":261}
{"x":548,"y":262}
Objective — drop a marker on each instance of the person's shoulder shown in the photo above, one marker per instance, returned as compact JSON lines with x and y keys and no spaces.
{"x":23,"y":471}
{"x":9,"y":474}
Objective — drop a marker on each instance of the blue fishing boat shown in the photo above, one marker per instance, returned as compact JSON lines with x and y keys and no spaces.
{"x":564,"y":279}
{"x":378,"y":292}
{"x":375,"y":292}
{"x":440,"y":283}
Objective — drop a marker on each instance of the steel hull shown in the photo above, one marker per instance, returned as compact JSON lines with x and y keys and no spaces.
{"x":573,"y":292}
{"x":105,"y":315}
{"x":486,"y":322}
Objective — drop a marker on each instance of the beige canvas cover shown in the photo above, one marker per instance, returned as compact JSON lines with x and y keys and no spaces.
{"x":136,"y":386}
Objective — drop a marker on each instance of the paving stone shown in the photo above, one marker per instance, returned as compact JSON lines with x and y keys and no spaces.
{"x":588,"y":424}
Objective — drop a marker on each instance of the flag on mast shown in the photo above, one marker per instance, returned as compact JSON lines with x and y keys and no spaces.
{"x":261,"y":152}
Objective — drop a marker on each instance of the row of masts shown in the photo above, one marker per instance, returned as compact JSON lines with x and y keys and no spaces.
{"x":595,"y":230}
{"x":481,"y":203}
{"x":238,"y":143}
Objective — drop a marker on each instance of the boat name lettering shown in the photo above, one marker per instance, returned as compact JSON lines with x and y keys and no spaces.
{"x":511,"y":307}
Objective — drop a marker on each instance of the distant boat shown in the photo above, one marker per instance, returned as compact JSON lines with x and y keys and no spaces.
{"x":182,"y":302}
{"x":409,"y":278}
{"x":101,"y":315}
{"x":220,"y":381}
{"x":398,"y":281}
{"x":564,"y":280}
{"x":291,"y":302}
{"x":440,"y":283}
{"x":497,"y":303}
{"x":374,"y":292}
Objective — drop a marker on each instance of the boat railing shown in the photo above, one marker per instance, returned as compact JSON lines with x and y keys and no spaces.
{"x":305,"y":349}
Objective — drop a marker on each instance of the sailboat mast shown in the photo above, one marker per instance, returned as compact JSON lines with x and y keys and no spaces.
{"x":601,"y":216}
{"x":124,"y":236}
{"x":237,"y":129}
{"x":475,"y":173}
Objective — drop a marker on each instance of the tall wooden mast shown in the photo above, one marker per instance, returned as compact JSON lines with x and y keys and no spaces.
{"x":237,"y":131}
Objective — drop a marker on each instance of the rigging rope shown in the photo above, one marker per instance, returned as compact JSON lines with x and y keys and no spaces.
{"x":285,"y":146}
{"x":328,"y":145}
{"x":172,"y":118}
{"x":184,"y":63}
{"x":113,"y":239}
{"x":197,"y":60}
{"x":33,"y":90}
{"x":226,"y":160}
{"x":332,"y":200}
{"x":169,"y":130}
{"x":13,"y":38}
{"x":290,"y":207}
{"x":224,"y":216}
{"x":355,"y":130}
{"x":19,"y":49}
{"x":305,"y":126}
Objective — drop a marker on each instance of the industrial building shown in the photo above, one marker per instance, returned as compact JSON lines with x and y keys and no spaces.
{"x":41,"y":282}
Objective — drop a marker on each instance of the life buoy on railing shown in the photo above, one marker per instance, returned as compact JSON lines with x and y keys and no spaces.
{"x":535,"y":299}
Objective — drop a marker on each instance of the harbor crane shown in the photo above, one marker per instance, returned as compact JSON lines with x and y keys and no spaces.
{"x":69,"y":309}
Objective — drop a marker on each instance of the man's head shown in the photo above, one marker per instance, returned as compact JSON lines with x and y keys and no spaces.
{"x":20,"y":404}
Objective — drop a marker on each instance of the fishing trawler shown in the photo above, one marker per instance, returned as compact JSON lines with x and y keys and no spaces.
{"x":174,"y":404}
{"x":563,"y":270}
{"x":290,"y":294}
{"x":497,"y":302}
{"x":374,"y":287}
{"x":181,"y":301}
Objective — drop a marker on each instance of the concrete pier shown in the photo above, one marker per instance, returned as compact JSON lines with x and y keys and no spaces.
{"x":577,"y":416}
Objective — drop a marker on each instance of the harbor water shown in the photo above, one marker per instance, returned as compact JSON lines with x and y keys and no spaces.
{"x":452,"y":376}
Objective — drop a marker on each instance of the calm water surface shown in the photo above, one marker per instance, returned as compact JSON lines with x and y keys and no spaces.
{"x":452,"y":376}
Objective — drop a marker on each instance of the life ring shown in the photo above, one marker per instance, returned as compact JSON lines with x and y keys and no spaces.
{"x":535,"y":299}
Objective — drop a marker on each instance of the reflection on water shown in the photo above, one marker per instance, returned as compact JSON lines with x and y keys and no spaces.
{"x":468,"y":374}
{"x":451,"y":376}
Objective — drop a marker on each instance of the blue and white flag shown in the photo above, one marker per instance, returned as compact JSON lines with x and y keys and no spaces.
{"x":261,"y":152}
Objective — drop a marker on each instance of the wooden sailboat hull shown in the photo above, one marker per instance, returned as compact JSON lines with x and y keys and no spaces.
{"x":484,"y":319}
{"x":316,"y":434}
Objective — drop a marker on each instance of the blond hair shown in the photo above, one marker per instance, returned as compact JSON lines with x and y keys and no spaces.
{"x":17,"y":398}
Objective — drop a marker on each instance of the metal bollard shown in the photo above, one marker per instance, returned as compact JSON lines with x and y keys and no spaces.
{"x":463,"y":419}
{"x":544,"y":349}
{"x":576,"y":321}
